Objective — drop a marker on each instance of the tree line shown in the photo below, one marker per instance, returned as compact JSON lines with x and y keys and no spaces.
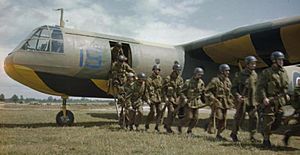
{"x":20,"y":99}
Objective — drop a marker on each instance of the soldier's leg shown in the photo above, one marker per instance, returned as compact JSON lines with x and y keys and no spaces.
{"x":238,"y":119}
{"x":194,"y":120}
{"x":187,"y":118}
{"x":221,"y":122}
{"x":252,"y":122}
{"x":268,"y":120}
{"x":150,"y":115}
{"x":239,"y":115}
{"x":138,"y":117}
{"x":159,"y":114}
{"x":169,"y":119}
{"x":126,"y":117}
{"x":211,"y":125}
{"x":131,"y":118}
{"x":293,"y":131}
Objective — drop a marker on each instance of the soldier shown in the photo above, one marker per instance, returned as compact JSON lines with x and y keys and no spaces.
{"x":272,"y":94}
{"x":123,"y":101}
{"x":138,"y":95}
{"x":243,"y":88}
{"x":294,"y":130}
{"x":193,"y":96}
{"x":116,"y":51}
{"x":219,"y":95}
{"x":119,"y":71}
{"x":154,"y":86}
{"x":171,"y":90}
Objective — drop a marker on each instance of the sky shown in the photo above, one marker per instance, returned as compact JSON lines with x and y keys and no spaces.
{"x":165,"y":21}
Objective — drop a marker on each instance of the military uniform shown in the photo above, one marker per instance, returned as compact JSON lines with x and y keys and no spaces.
{"x":171,"y":87}
{"x":124,"y":102}
{"x":220,"y":97}
{"x":244,"y":85}
{"x":272,"y":84}
{"x":116,"y":52}
{"x":154,"y":87}
{"x":138,"y":95}
{"x":193,"y":92}
{"x":294,"y":130}
{"x":119,"y":71}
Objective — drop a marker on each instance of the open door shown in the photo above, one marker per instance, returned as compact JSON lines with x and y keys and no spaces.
{"x":126,"y":50}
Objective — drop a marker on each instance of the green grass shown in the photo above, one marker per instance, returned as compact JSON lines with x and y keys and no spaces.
{"x":32,"y":130}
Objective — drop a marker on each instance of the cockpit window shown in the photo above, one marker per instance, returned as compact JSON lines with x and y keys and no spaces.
{"x":40,"y":41}
{"x":42,"y":33}
{"x":45,"y":33}
{"x":30,"y":44}
{"x":43,"y":45}
{"x":56,"y":34}
{"x":57,"y":46}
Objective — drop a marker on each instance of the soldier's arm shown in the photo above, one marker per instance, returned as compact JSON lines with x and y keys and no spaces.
{"x":261,"y":86}
{"x":165,"y":87}
{"x":286,"y":82}
{"x":183,"y":91}
{"x":235,"y":85}
{"x":129,"y":69}
{"x":203,"y":92}
{"x":210,"y":89}
{"x":179,"y":86}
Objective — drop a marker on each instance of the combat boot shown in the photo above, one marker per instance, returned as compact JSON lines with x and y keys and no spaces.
{"x":146,"y":127}
{"x":179,"y":129}
{"x":137,"y":128}
{"x":130,"y":127}
{"x":169,"y":130}
{"x":157,"y":128}
{"x":234,"y":137}
{"x":267,"y":143}
{"x":286,"y":140}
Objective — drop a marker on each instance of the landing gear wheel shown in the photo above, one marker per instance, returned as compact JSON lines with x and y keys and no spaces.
{"x":63,"y":121}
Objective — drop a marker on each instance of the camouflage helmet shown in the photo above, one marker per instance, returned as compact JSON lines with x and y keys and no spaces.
{"x":277,"y":55}
{"x":224,"y":67}
{"x":198,"y":70}
{"x":122,"y":58}
{"x":176,"y":66}
{"x":142,"y":76}
{"x":130,"y":75}
{"x":119,"y":44}
{"x":156,"y":67}
{"x":250,"y":59}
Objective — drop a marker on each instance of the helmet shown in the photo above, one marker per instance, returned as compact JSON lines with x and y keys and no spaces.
{"x":224,"y":67}
{"x":176,"y":67}
{"x":198,"y":70}
{"x":122,"y":58}
{"x":119,"y":44}
{"x":142,"y":76}
{"x":129,"y":75}
{"x":250,"y":59}
{"x":156,"y":67}
{"x":277,"y":55}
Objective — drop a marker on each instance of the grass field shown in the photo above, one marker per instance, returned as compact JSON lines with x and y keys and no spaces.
{"x":31,"y":129}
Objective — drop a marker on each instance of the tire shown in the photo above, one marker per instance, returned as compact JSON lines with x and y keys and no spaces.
{"x":63,"y":122}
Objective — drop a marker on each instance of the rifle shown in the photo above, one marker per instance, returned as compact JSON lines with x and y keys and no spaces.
{"x":123,"y":110}
{"x":115,"y":100}
{"x":270,"y":103}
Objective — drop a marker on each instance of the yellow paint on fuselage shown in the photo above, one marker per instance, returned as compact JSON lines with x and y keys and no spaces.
{"x":290,"y":36}
{"x":230,"y":50}
{"x":103,"y":85}
{"x":29,"y":78}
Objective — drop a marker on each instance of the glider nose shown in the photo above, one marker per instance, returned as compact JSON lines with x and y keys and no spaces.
{"x":9,"y":66}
